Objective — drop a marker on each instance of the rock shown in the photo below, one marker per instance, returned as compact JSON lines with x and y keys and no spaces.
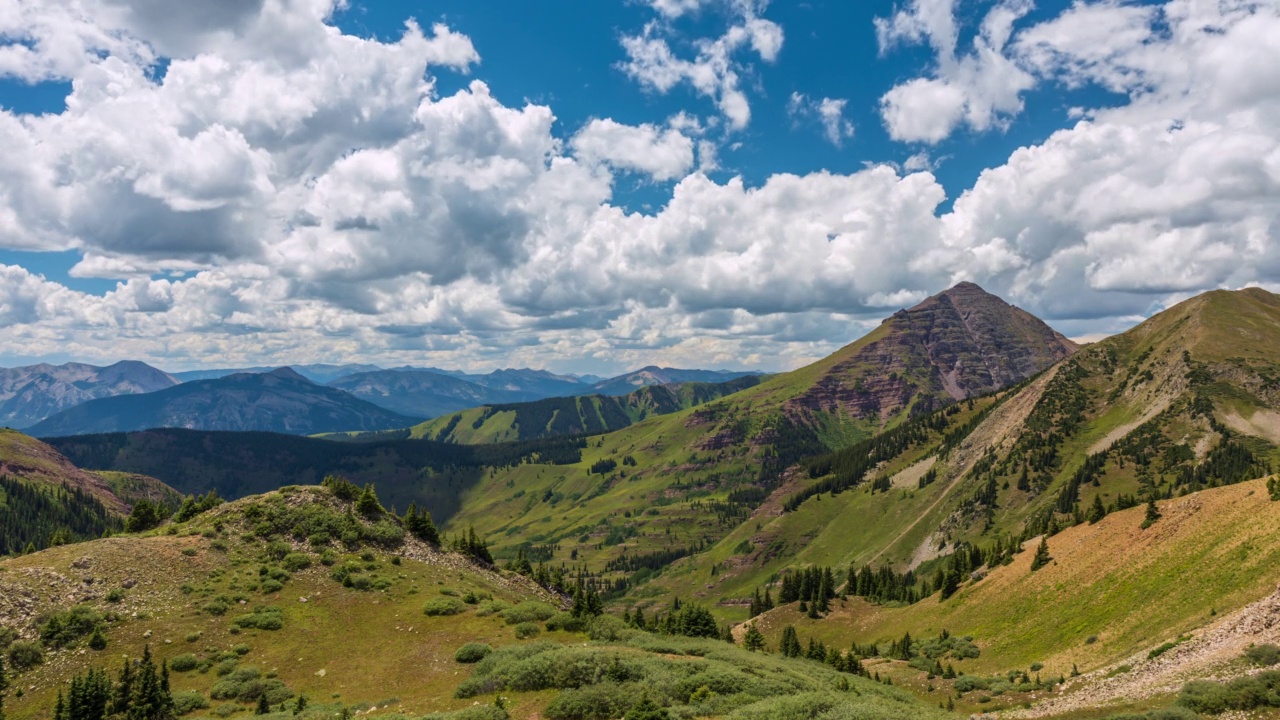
{"x":146,"y":634}
{"x":82,"y":563}
{"x":321,"y":672}
{"x":128,"y":584}
{"x":302,"y":599}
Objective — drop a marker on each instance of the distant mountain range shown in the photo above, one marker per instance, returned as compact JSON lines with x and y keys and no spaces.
{"x":33,"y":393}
{"x":279,"y":401}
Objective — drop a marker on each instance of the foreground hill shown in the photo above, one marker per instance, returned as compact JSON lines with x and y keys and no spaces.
{"x":590,"y":414}
{"x":278,"y":401}
{"x":46,"y":500}
{"x":31,"y":394}
{"x":422,"y":393}
{"x":303,"y":593}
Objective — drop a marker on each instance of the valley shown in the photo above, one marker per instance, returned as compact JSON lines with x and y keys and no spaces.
{"x":1062,"y":531}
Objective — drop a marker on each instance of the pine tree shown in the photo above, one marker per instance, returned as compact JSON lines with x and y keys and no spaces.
{"x":368,"y":504}
{"x":1096,"y":511}
{"x":264,"y":708}
{"x":300,"y":705}
{"x":1042,"y":557}
{"x":754,"y":639}
{"x":1153,"y":514}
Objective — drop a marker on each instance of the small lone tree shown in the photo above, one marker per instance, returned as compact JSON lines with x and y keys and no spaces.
{"x":1042,"y":557}
{"x":264,"y":707}
{"x":754,"y":639}
{"x":1153,"y":514}
{"x":1096,"y":511}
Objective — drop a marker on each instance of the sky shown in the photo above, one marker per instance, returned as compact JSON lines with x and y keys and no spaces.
{"x":596,"y":185}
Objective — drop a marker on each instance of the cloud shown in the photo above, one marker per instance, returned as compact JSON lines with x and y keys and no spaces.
{"x":827,"y":112}
{"x":715,"y":70}
{"x":662,"y":154}
{"x":980,"y":89}
{"x":287,"y":193}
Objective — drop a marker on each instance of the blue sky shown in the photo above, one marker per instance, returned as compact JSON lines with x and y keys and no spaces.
{"x":246,"y":182}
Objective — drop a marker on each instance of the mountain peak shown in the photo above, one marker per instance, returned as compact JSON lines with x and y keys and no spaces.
{"x":289,"y":373}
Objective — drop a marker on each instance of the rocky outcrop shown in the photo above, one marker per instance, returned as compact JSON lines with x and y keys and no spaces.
{"x":958,"y":344}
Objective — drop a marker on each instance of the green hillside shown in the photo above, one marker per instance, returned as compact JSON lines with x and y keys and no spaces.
{"x":300,"y":593}
{"x":585,"y":415}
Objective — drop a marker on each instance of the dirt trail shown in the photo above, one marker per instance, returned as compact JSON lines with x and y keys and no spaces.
{"x":1206,"y":655}
{"x":993,"y":431}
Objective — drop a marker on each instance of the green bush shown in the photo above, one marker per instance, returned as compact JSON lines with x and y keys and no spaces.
{"x":65,"y":627}
{"x":293,"y":562}
{"x":115,"y":595}
{"x":602,"y":701}
{"x":1244,"y":693}
{"x":527,"y":630}
{"x":568,"y":622}
{"x":271,"y":586}
{"x":1265,"y":655}
{"x":240,"y":650}
{"x":217,"y":606}
{"x":492,"y":607}
{"x":186,"y":702}
{"x":443,"y":606}
{"x":608,"y":628}
{"x":475,"y":597}
{"x":226,"y":666}
{"x":528,"y":611}
{"x":184,"y":663}
{"x":24,"y":655}
{"x":246,"y":684}
{"x":262,"y":618}
{"x":472,"y":652}
{"x":1165,"y":714}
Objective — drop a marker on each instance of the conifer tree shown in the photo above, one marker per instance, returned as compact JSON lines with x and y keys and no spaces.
{"x":754,"y":639}
{"x":367,"y":504}
{"x":1042,"y":557}
{"x":264,"y":708}
{"x":1153,"y":514}
{"x":1096,"y":511}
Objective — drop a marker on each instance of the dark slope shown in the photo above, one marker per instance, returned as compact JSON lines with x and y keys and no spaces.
{"x":279,"y":401}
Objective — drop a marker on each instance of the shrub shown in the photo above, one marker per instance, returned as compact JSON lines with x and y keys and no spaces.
{"x":603,"y":700}
{"x":1244,"y":693}
{"x":528,"y":611}
{"x":472,"y":653}
{"x":193,"y":637}
{"x":189,"y":552}
{"x":240,"y":650}
{"x":65,"y":627}
{"x":293,"y":562}
{"x":226,"y":667}
{"x":443,"y":606}
{"x":476,"y":712}
{"x":217,"y":606}
{"x":567,"y":622}
{"x":608,"y":628}
{"x":473,"y":597}
{"x":262,"y":618}
{"x":527,"y":630}
{"x":1263,"y":654}
{"x":270,"y":586}
{"x":185,"y":662}
{"x":24,"y":655}
{"x":115,"y":595}
{"x":492,"y":607}
{"x":185,"y":702}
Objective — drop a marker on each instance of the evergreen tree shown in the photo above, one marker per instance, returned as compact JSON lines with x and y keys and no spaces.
{"x":421,"y":526}
{"x":790,"y":644}
{"x":264,"y":708}
{"x":1096,"y":511}
{"x":1153,"y":514}
{"x":647,"y":709}
{"x":300,"y":705}
{"x":754,"y":639}
{"x":367,"y":504}
{"x":1042,"y":557}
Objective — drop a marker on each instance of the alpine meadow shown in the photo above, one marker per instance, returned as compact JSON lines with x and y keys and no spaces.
{"x":640,"y":360}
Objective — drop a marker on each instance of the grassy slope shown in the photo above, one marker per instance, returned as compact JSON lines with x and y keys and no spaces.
{"x":338,"y":646}
{"x":1212,"y":551}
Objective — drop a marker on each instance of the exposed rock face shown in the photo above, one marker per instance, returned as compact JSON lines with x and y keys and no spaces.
{"x":33,"y":393}
{"x":957,"y":344}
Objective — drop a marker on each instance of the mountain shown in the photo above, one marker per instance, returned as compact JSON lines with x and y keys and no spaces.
{"x":31,"y":394}
{"x":535,"y":382}
{"x":45,"y":499}
{"x":653,"y":375}
{"x":321,"y":374}
{"x":278,"y":401}
{"x":584,"y":414}
{"x":422,"y":393}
